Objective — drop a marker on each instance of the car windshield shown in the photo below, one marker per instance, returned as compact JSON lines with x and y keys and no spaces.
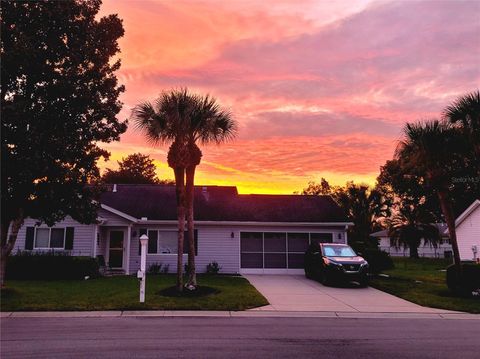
{"x":338,"y":251}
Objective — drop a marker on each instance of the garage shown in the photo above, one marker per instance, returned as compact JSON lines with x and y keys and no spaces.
{"x":277,"y":252}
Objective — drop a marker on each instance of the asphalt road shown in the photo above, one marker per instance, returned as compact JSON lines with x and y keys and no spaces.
{"x":137,"y":337}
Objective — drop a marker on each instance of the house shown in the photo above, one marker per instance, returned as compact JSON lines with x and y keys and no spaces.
{"x":243,"y":233}
{"x":467,"y":227}
{"x":443,"y":249}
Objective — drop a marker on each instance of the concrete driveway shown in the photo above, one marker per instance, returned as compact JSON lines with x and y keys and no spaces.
{"x":297,"y":293}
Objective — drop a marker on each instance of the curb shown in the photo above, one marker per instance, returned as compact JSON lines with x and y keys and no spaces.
{"x":239,"y":314}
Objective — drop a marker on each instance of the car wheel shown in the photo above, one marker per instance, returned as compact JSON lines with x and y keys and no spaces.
{"x":324,"y":279}
{"x":364,"y":282}
{"x":307,"y":274}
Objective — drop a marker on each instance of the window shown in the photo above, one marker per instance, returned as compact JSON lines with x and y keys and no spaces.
{"x":152,"y":242}
{"x":297,"y":245}
{"x":166,"y":242}
{"x":338,"y":251}
{"x":49,"y":238}
{"x":275,"y":248}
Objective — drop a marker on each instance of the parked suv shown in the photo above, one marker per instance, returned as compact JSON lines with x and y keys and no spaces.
{"x":332,"y":263}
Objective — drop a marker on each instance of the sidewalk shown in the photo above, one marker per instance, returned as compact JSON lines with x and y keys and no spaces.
{"x":233,"y":314}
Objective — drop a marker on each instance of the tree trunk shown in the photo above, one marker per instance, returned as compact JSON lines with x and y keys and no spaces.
{"x":192,"y":276}
{"x":450,"y":219}
{"x":413,"y":251}
{"x":8,"y":243}
{"x":180,"y":192}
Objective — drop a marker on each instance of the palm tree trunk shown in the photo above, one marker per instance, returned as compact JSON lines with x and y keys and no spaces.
{"x":180,"y":192}
{"x":190,"y":184}
{"x":450,"y":219}
{"x":413,"y":251}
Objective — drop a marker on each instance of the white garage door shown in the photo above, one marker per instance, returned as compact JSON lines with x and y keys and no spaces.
{"x":276,"y":252}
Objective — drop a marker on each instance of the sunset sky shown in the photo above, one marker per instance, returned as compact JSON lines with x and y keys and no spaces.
{"x":319,"y":88}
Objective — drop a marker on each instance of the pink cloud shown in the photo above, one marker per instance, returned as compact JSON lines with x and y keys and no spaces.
{"x":315,"y":91}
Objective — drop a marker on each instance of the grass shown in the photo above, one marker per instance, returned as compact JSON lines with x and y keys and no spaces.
{"x":122,"y":293}
{"x":422,"y":281}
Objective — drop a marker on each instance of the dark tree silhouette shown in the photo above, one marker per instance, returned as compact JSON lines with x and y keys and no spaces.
{"x":134,"y":169}
{"x":410,"y":224}
{"x":59,"y":99}
{"x":437,"y":151}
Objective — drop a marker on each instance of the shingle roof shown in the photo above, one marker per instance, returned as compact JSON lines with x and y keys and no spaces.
{"x":222,"y":203}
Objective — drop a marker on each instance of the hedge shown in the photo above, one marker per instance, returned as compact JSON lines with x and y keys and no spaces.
{"x":378,"y":260}
{"x":50,"y":266}
{"x":468,"y":282}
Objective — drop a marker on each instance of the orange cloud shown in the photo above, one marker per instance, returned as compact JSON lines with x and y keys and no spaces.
{"x":319,"y":90}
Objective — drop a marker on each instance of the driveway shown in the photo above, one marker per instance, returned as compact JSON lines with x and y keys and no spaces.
{"x":297,"y":293}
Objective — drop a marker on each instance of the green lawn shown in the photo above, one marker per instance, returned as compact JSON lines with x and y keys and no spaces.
{"x":121,"y":293}
{"x":421,"y":281}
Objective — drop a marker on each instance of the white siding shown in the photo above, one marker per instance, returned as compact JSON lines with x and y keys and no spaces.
{"x":424,"y":250}
{"x":468,"y":235}
{"x":216,"y":244}
{"x":82,"y":240}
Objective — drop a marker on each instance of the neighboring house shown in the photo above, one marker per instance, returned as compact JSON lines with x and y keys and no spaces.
{"x":443,"y":250}
{"x":243,"y":233}
{"x":468,"y":232}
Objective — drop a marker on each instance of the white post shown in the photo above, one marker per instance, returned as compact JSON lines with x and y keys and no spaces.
{"x":143,"y":264}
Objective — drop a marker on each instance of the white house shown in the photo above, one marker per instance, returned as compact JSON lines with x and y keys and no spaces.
{"x":442,"y":250}
{"x":468,"y":232}
{"x":243,"y":233}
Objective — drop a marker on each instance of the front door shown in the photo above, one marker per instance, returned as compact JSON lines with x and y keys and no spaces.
{"x":115,"y":255}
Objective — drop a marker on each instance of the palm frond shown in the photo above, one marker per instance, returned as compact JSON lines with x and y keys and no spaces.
{"x":466,"y":109}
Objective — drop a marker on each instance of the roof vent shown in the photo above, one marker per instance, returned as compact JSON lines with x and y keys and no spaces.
{"x":114,"y":188}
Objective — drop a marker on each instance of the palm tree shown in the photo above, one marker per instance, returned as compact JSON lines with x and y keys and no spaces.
{"x":209,"y":123}
{"x":364,"y":206}
{"x":184,"y":119}
{"x":466,"y":112}
{"x":410,"y":225}
{"x":435,"y":149}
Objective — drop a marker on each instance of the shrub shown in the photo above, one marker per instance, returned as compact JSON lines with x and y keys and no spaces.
{"x":213,"y":268}
{"x":165,"y":269}
{"x":467,"y":283}
{"x":50,"y":266}
{"x":378,"y":260}
{"x":154,"y":268}
{"x":158,"y":268}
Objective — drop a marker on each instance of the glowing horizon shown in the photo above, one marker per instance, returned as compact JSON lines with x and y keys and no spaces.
{"x":320,"y":90}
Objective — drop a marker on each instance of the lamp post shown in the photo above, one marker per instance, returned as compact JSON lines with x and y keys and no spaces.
{"x":141,"y":274}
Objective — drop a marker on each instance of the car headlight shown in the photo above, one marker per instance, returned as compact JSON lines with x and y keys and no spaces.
{"x":330,"y":262}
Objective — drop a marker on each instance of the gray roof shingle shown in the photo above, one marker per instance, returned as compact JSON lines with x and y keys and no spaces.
{"x":222,"y":203}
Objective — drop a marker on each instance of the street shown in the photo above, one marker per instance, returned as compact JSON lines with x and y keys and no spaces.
{"x":207,"y":337}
